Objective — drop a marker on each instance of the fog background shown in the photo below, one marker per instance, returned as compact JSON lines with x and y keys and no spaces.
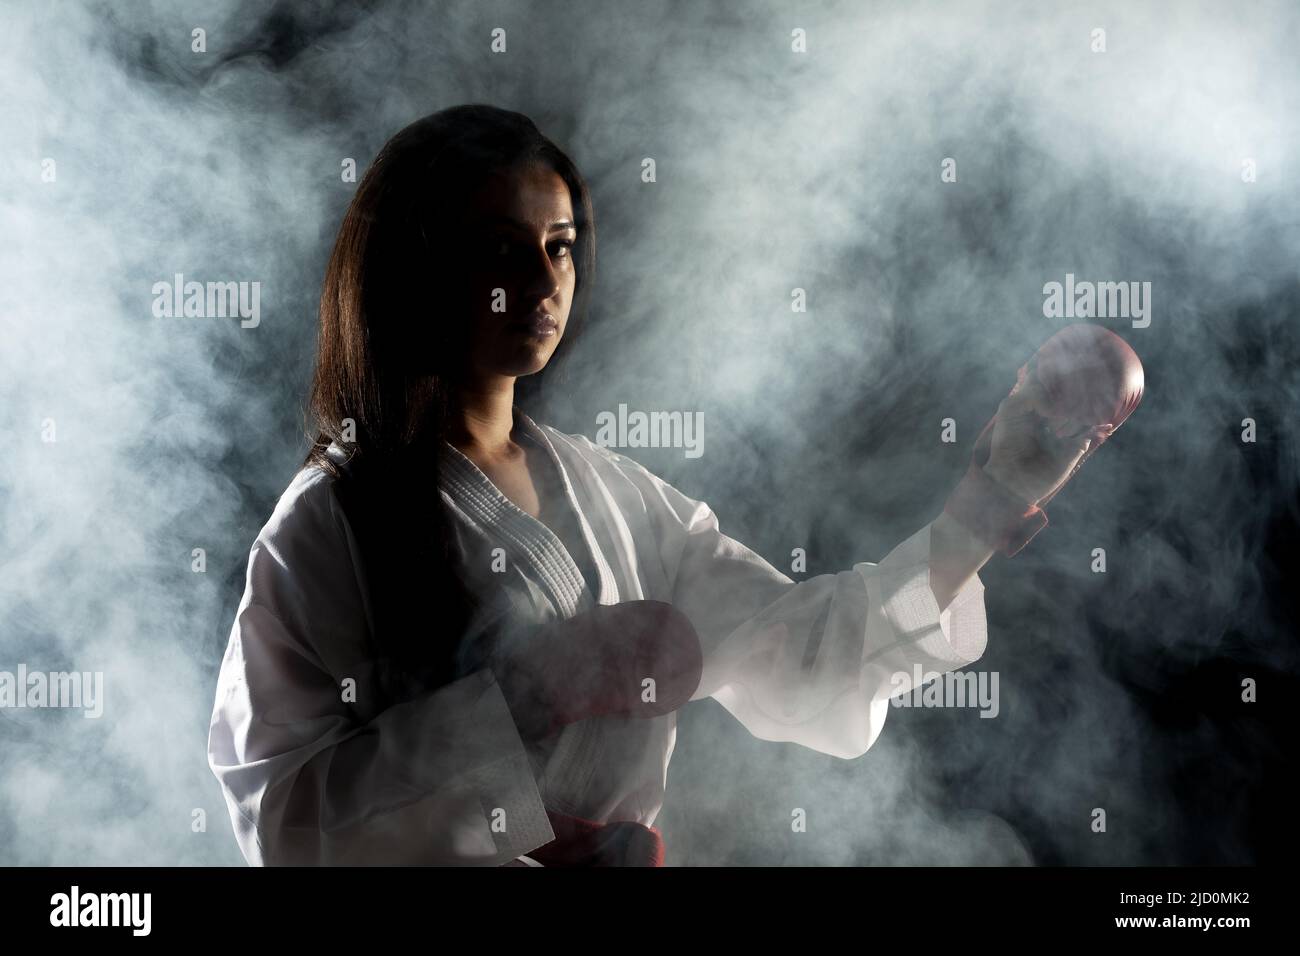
{"x":775,"y":170}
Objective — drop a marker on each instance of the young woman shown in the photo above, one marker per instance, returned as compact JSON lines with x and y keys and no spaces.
{"x":464,"y":634}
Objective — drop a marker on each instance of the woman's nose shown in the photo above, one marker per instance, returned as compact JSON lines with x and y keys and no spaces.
{"x":542,"y":283}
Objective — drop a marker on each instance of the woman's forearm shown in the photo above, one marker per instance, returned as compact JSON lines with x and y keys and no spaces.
{"x":956,"y":556}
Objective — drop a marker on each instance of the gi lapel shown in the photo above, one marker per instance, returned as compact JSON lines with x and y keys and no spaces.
{"x":606,"y":590}
{"x":530,"y":542}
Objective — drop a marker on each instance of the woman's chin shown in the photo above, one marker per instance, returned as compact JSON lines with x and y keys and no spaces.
{"x":528,"y":359}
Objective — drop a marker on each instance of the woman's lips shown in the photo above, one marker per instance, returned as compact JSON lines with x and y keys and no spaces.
{"x":539,"y":323}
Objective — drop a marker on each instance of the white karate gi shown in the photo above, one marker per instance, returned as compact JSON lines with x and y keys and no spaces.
{"x":312,"y":778}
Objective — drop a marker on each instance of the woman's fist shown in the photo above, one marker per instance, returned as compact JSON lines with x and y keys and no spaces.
{"x":1069,"y":397}
{"x":1033,"y":451}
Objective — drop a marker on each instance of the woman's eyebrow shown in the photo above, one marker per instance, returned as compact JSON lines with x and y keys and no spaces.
{"x":559,"y":224}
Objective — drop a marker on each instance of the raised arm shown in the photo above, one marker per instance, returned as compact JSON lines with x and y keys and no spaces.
{"x":812,"y":662}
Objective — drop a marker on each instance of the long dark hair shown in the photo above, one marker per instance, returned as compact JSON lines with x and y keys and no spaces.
{"x":383,"y":370}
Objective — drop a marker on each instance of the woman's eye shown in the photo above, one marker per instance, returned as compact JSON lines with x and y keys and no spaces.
{"x":504,"y":248}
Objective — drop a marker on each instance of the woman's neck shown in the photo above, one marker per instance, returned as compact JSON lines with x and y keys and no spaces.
{"x":482,"y":417}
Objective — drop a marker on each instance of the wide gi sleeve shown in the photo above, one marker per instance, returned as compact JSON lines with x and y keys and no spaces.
{"x":813,"y":662}
{"x":311,"y":771}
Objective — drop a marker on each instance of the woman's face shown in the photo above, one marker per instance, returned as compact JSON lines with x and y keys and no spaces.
{"x":517,"y":234}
